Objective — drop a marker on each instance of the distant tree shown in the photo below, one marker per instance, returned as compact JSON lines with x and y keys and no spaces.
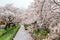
{"x":8,"y":17}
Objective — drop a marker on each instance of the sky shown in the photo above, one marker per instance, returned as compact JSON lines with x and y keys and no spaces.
{"x":16,"y":3}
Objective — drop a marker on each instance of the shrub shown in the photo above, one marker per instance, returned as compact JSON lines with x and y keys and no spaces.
{"x":39,"y":34}
{"x":9,"y":25}
{"x":25,"y":25}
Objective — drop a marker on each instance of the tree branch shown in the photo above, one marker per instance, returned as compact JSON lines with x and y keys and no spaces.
{"x":56,"y":3}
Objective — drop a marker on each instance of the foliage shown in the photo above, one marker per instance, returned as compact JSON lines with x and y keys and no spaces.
{"x":39,"y":34}
{"x":25,"y":25}
{"x":9,"y":25}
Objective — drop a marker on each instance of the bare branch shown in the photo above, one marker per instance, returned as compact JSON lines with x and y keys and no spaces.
{"x":56,"y":3}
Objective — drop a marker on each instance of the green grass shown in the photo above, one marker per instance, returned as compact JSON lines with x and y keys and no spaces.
{"x":39,"y":34}
{"x":9,"y":35}
{"x":2,"y":31}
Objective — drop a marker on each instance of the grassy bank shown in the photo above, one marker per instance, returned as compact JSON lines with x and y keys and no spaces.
{"x":9,"y":34}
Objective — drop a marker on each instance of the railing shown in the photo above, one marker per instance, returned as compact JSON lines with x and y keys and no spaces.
{"x":2,"y":26}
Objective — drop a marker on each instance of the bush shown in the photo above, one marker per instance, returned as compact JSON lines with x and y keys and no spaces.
{"x":25,"y":25}
{"x":9,"y":25}
{"x":39,"y":34}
